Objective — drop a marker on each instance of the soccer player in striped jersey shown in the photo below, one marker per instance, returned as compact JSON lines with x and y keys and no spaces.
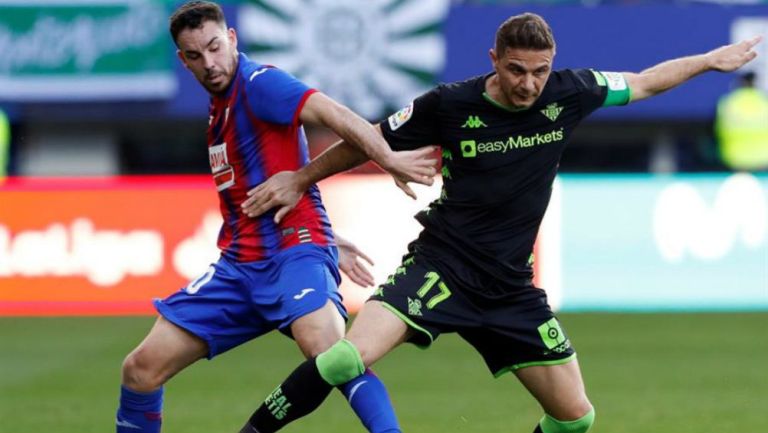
{"x":269,"y":275}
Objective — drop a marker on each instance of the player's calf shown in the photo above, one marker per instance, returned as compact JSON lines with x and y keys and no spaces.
{"x":308,"y":386}
{"x":141,"y":397}
{"x":300,"y":394}
{"x":139,"y":411}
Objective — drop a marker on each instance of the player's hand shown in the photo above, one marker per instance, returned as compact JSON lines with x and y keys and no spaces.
{"x":281,"y":191}
{"x":351,"y":265}
{"x":417,"y":166}
{"x":405,"y":188}
{"x":731,"y":57}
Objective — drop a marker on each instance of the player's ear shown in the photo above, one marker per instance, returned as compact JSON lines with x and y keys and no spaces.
{"x":181,"y":57}
{"x":232,"y":35}
{"x":494,"y":58}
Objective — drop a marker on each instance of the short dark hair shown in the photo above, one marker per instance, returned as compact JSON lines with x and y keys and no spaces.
{"x":748,"y":79}
{"x":526,"y":31}
{"x":192,"y":15}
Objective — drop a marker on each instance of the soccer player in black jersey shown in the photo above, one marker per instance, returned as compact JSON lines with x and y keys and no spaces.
{"x":469,"y":271}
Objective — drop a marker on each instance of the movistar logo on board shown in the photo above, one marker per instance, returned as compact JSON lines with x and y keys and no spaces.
{"x":552,"y":111}
{"x":470,"y":148}
{"x":473,"y":122}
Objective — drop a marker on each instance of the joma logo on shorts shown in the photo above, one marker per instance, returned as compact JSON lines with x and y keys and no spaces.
{"x":470,"y":148}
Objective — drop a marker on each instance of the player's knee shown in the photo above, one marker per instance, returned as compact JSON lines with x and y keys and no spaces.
{"x":341,"y":363}
{"x":317,"y":346}
{"x":138,"y":373}
{"x":581,"y":425}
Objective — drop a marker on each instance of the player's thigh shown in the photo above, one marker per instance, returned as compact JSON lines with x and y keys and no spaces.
{"x":165,"y":351}
{"x":317,"y":331}
{"x":558,"y":388}
{"x":376,"y":331}
{"x":217,"y":306}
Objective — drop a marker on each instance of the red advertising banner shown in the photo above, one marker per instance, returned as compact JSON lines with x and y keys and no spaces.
{"x":101,"y":246}
{"x":109,"y":246}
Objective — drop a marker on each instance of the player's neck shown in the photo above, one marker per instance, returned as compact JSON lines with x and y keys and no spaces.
{"x":496,"y":96}
{"x":224,"y":93}
{"x":493,"y":90}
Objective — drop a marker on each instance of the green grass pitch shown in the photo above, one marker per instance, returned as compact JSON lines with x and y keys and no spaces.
{"x":660,"y":373}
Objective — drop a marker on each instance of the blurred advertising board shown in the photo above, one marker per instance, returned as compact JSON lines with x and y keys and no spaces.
{"x":85,"y":50}
{"x":101,"y":245}
{"x":374,"y":57}
{"x":619,"y":243}
{"x":649,"y":243}
{"x":379,"y":57}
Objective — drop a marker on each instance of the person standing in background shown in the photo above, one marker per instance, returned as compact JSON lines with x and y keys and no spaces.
{"x":5,"y":145}
{"x":741,"y":127}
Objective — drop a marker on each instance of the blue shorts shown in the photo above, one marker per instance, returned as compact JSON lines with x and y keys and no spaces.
{"x":233,"y":302}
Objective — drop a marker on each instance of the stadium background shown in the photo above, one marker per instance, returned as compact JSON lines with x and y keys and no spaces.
{"x":656,"y":256}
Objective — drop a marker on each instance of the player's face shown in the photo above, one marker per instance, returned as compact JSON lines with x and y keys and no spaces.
{"x":210,"y":52}
{"x":522,"y":74}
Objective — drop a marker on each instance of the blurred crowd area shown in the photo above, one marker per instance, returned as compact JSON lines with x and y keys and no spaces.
{"x":606,"y":2}
{"x":93,"y":87}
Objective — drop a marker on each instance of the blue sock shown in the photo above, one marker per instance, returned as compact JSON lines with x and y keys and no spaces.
{"x":139,"y":412}
{"x":370,"y":401}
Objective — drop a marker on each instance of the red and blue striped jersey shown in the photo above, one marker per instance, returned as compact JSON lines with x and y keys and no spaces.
{"x":254,"y":132}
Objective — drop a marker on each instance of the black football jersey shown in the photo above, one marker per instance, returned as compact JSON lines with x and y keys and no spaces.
{"x":498,"y":163}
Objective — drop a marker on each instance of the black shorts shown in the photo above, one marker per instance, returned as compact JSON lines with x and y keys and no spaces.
{"x":519,"y":330}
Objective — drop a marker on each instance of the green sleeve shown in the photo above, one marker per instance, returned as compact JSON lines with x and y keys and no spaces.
{"x":617,"y":89}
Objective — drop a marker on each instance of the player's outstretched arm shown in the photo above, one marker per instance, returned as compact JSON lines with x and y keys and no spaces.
{"x":672,"y":73}
{"x":284,"y":190}
{"x":322,"y":110}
